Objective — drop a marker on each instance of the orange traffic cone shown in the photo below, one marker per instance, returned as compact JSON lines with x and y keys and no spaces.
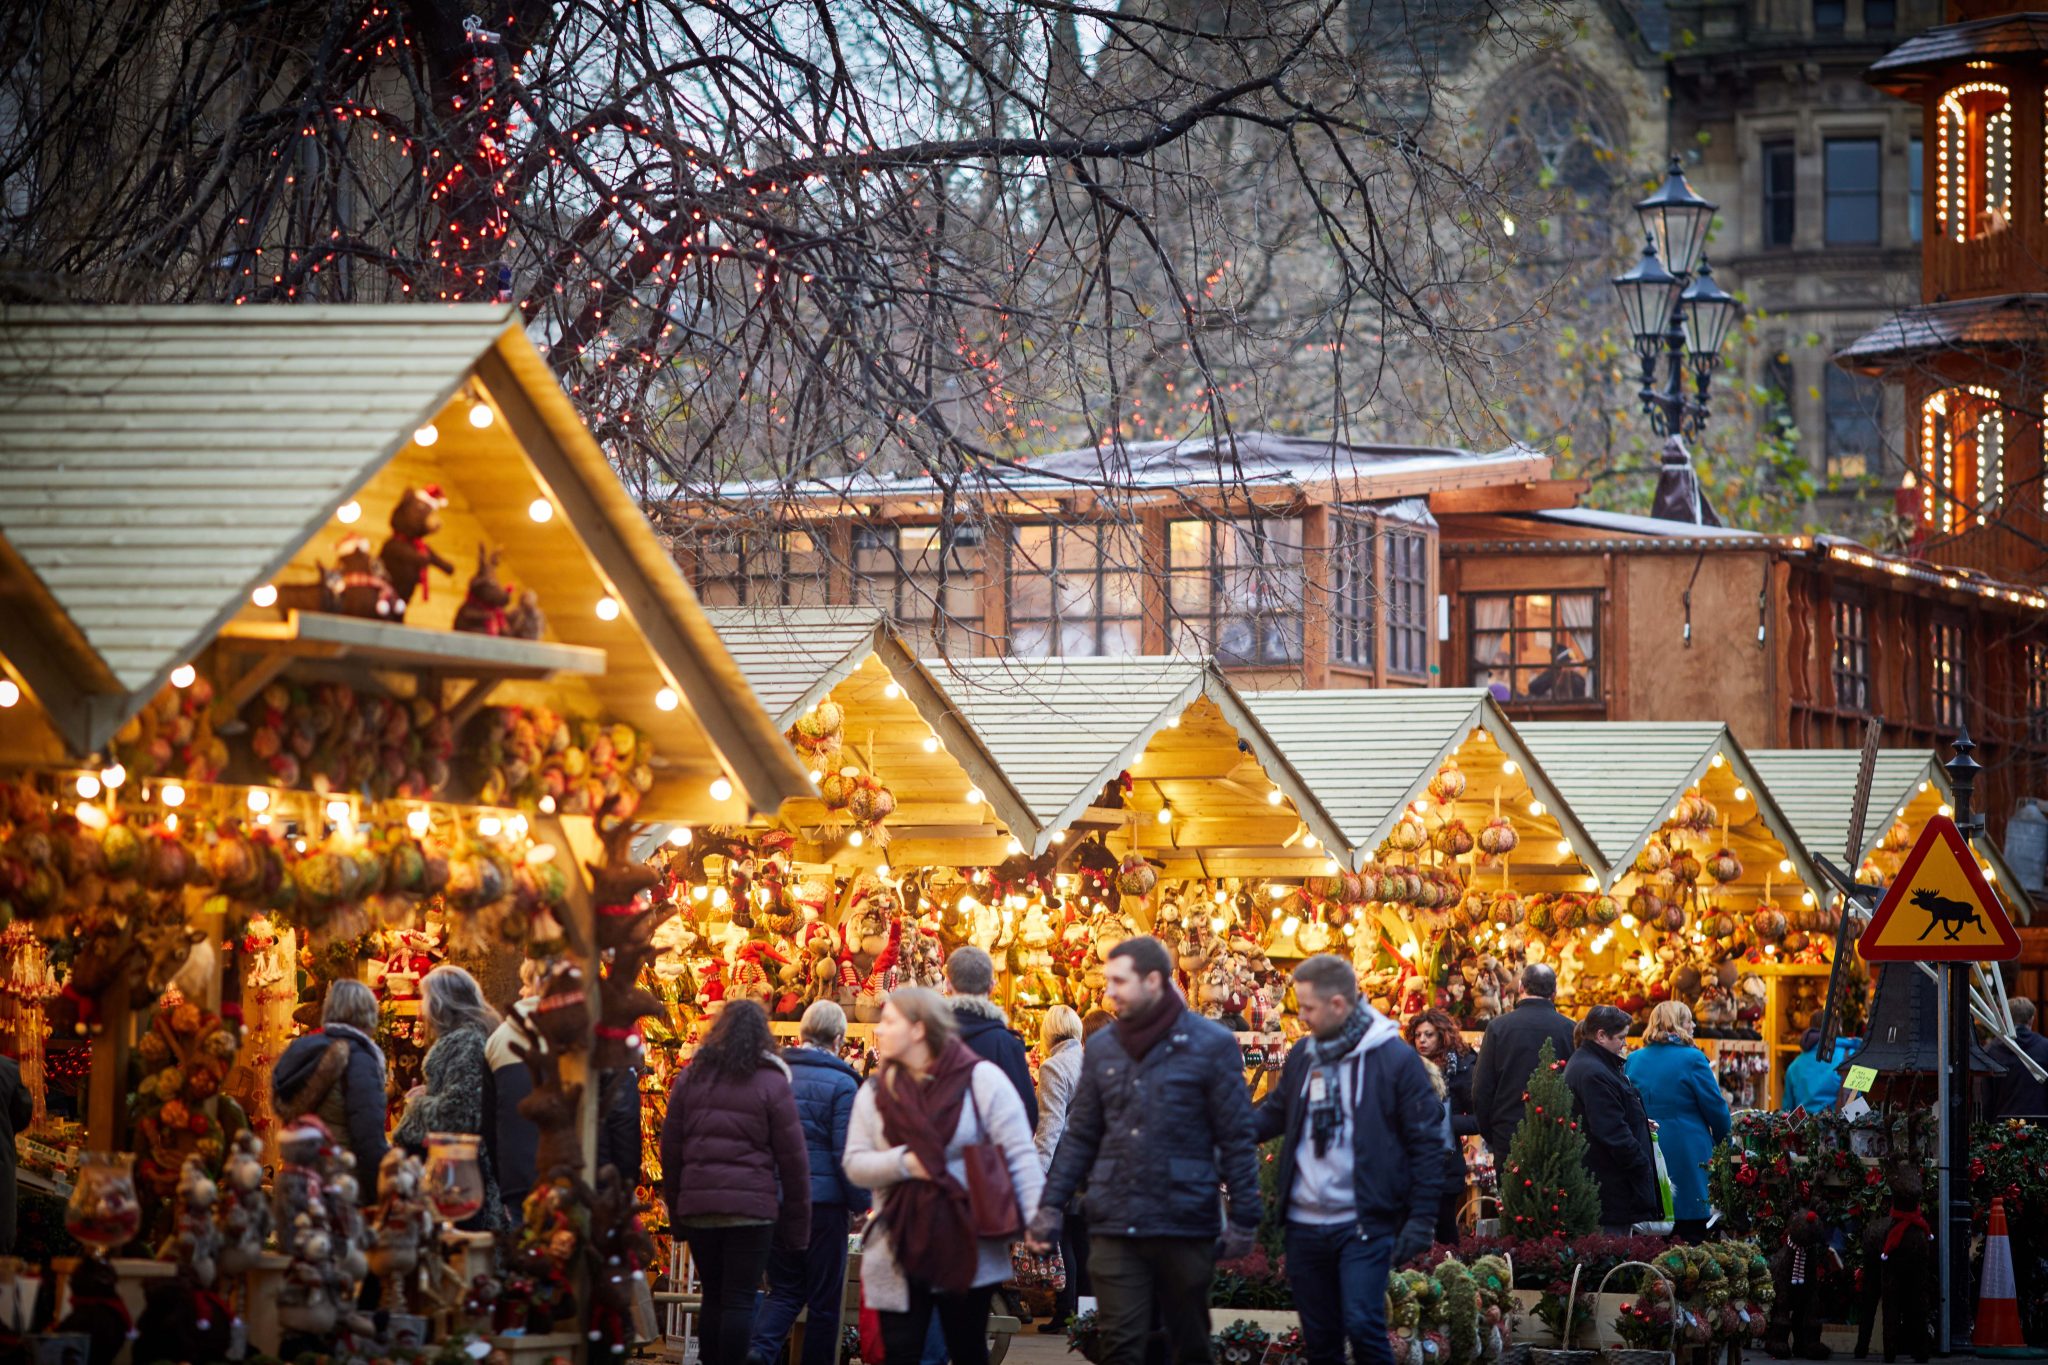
{"x":1997,"y":1331}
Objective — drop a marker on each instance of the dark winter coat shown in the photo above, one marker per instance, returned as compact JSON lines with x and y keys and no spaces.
{"x":825,"y":1087}
{"x":1153,"y":1139}
{"x":618,"y":1126}
{"x":986,"y":1031}
{"x":1458,"y":1068}
{"x":1507,"y":1058}
{"x":1399,"y":1159}
{"x":336,"y":1073}
{"x":1617,"y":1128}
{"x":2016,"y":1094}
{"x":16,"y":1112}
{"x":735,"y":1149}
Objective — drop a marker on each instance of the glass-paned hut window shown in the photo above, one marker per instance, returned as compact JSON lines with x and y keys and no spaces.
{"x":1962,"y":457}
{"x":1074,"y":591}
{"x":1938,"y":503}
{"x":1354,"y":589}
{"x":1990,"y":452}
{"x":1949,"y":682}
{"x":1235,"y":588}
{"x":1852,"y":655}
{"x":759,"y":569}
{"x":1973,"y":161}
{"x":930,"y":590}
{"x":1407,"y":602}
{"x":1536,"y":646}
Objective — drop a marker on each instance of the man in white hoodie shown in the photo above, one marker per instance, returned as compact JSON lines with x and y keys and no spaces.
{"x":1361,"y":1164}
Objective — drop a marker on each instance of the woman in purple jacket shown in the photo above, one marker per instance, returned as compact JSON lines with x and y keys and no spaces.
{"x":734,"y":1172}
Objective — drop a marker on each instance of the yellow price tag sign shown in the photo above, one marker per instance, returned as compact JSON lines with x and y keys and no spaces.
{"x":1860,"y":1079}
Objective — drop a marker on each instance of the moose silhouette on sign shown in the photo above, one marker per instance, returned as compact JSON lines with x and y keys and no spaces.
{"x":1950,"y":916}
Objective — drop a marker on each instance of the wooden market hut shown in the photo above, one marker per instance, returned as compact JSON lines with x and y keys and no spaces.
{"x":1161,"y":755}
{"x":164,"y":470}
{"x":954,"y":805}
{"x":1629,"y":782}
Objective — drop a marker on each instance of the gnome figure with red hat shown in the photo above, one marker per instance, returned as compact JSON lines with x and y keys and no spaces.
{"x":407,"y":556}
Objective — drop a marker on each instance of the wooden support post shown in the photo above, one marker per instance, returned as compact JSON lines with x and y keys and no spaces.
{"x":575,"y":838}
{"x":107,"y":1093}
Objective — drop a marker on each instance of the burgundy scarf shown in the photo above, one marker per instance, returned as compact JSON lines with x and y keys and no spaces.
{"x":1140,"y":1036}
{"x":928,"y":1221}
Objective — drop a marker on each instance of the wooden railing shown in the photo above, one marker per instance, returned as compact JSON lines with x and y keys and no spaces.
{"x":2010,"y":261}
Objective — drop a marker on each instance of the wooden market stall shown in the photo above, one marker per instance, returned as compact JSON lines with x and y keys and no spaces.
{"x":1703,"y":856}
{"x":329,"y":628}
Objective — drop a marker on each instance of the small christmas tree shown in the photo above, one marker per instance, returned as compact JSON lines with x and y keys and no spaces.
{"x":1546,"y":1189}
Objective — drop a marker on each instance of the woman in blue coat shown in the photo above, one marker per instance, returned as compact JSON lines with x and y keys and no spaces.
{"x":1685,"y":1102}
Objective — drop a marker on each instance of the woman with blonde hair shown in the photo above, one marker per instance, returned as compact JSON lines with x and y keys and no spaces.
{"x":455,"y":1096}
{"x":930,"y":1100}
{"x":1686,"y":1106}
{"x":1059,"y":1071}
{"x":337,"y":1072}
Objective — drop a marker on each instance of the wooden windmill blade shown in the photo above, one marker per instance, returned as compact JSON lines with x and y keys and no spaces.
{"x":1859,"y":813}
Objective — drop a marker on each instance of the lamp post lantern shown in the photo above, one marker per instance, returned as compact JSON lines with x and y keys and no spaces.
{"x":1673,"y":307}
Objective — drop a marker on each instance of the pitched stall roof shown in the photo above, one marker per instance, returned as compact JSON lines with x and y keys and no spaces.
{"x":1062,"y":729}
{"x":795,"y":657}
{"x":2017,"y":39}
{"x":159,"y":464}
{"x":1816,"y":788}
{"x":1991,"y":323}
{"x":1622,"y":778}
{"x":1368,"y":754}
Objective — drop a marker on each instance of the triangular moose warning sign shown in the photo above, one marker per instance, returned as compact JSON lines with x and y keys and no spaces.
{"x":1940,"y":909}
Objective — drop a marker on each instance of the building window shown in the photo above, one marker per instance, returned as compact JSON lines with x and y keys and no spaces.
{"x":1950,"y":677}
{"x":1850,"y":187}
{"x":1537,"y":647}
{"x":1559,"y":150}
{"x":1074,"y":591}
{"x":1830,"y":16}
{"x":1962,"y":457}
{"x":1852,"y":655}
{"x":1973,"y":161}
{"x":1781,"y":193}
{"x":759,"y":569}
{"x":1880,"y":16}
{"x":1916,"y":202}
{"x":1855,"y":435}
{"x":2037,"y":694}
{"x":1779,"y":419}
{"x":1354,"y":589}
{"x":1235,"y":587}
{"x":931,"y":591}
{"x":1407,"y":602}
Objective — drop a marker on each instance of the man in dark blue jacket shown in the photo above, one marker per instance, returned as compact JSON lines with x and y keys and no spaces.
{"x":1160,"y":1118}
{"x":970,"y":976}
{"x":816,"y":1276}
{"x":1364,"y":1144}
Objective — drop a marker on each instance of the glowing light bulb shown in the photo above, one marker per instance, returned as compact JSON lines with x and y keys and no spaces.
{"x":1510,"y":767}
{"x":1535,"y":808}
{"x":1277,"y":892}
{"x":974,"y":796}
{"x":1217,"y":924}
{"x":547,"y":805}
{"x":171,"y":823}
{"x":1806,"y":898}
{"x":1273,"y":797}
{"x":816,"y":777}
{"x":1290,"y":924}
{"x":1013,"y":848}
{"x":1173,"y":724}
{"x":1165,"y":816}
{"x":679,"y":836}
{"x":893,"y":691}
{"x":114,"y":776}
{"x":349,"y":513}
{"x":607,"y":609}
{"x":1628,"y":921}
{"x":721,"y":790}
{"x":1718,"y":760}
{"x":700,"y":893}
{"x":1564,"y":848}
{"x":541,"y":510}
{"x":1059,"y":836}
{"x":666,"y":699}
{"x":9,"y":694}
{"x":881,"y":869}
{"x":88,"y":786}
{"x":259,"y":799}
{"x":1332,"y":866}
{"x":184,"y":675}
{"x":172,"y":794}
{"x":489,"y":825}
{"x":265,"y":596}
{"x":418,"y":821}
{"x":92,"y":817}
{"x":1741,"y":793}
{"x":338,"y":812}
{"x":855,"y":839}
{"x":517,"y":827}
{"x":1945,"y":810}
{"x":426,"y":435}
{"x":931,"y":744}
{"x":480,"y":415}
{"x":1784,"y":867}
{"x":720,"y":898}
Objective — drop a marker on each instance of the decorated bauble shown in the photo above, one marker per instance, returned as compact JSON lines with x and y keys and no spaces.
{"x":1428,"y":894}
{"x":1409,"y":834}
{"x":1721,"y":926}
{"x":1770,"y":922}
{"x":1723,"y":866}
{"x":1672,"y":916}
{"x":1498,"y":838}
{"x":1505,"y":909}
{"x":405,"y":868}
{"x":1135,"y":876}
{"x":121,"y":848}
{"x":1540,"y":913}
{"x":166,"y":862}
{"x":1449,"y":783}
{"x":235,"y":867}
{"x":822,"y":722}
{"x":1796,"y":942}
{"x":1453,"y":839}
{"x":1645,"y":904}
{"x":1603,"y":910}
{"x":1572,"y":911}
{"x":324,"y":879}
{"x":1685,"y":868}
{"x":1654,"y":858}
{"x":1368,"y":878}
{"x":836,"y":790}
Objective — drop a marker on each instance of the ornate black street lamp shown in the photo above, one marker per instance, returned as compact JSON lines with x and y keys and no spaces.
{"x":1674,"y":307}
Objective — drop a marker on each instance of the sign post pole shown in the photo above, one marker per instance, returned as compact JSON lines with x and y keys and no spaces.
{"x":1955,"y":1108}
